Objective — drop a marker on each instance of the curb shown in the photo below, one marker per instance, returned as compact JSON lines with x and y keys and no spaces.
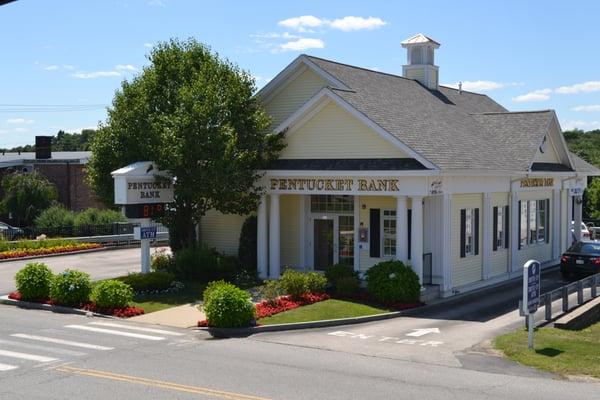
{"x":48,"y":307}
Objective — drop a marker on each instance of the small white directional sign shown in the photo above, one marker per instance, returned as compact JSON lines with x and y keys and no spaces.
{"x":423,"y":331}
{"x":532,"y":286}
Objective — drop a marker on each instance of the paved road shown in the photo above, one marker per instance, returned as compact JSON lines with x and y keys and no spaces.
{"x":100,"y":265}
{"x":53,"y":356}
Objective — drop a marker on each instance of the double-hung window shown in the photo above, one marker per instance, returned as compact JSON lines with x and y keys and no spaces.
{"x":534,"y":222}
{"x":389,"y":233}
{"x":469,"y":232}
{"x":500,"y":226}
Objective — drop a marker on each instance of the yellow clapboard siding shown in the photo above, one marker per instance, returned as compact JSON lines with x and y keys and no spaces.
{"x":222,"y":231}
{"x":289,"y":209}
{"x":470,"y":268}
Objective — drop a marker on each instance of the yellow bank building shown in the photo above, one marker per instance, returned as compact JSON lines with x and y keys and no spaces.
{"x":379,"y":166}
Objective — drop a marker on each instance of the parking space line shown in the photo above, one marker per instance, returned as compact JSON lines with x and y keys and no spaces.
{"x":114,"y":332}
{"x":61,"y":341}
{"x":137,"y":328}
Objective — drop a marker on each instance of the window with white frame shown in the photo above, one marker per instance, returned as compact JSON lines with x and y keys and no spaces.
{"x":469,"y":232}
{"x":389,"y":233}
{"x":534,"y":221}
{"x":499,"y":228}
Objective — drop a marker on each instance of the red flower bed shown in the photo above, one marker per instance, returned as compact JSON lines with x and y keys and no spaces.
{"x":123,"y":312}
{"x":19,"y":253}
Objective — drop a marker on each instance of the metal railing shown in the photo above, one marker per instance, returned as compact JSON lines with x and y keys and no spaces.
{"x":117,"y":228}
{"x":563,"y":293}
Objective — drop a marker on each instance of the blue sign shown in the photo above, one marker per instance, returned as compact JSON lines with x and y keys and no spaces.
{"x":148,"y":232}
{"x":531,"y":285}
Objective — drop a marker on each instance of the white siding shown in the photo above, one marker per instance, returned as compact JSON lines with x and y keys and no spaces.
{"x":222,"y":231}
{"x":468,"y":269}
{"x":541,"y":252}
{"x":499,"y":258}
{"x":335,"y":133}
{"x":433,"y":235}
{"x":293,"y":96}
{"x":289,"y":208}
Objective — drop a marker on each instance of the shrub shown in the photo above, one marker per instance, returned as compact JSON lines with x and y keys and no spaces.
{"x":93,"y":216}
{"x":157,"y":280}
{"x":392,"y":282}
{"x":33,"y":281}
{"x":112,"y":293}
{"x":347,"y":286}
{"x":338,"y":271}
{"x":270,"y":291}
{"x":227,"y":306}
{"x":71,"y":288}
{"x":294,"y":283}
{"x":161,"y":261}
{"x":204,"y":264}
{"x":315,"y":282}
{"x":55,"y":217}
{"x":247,"y":248}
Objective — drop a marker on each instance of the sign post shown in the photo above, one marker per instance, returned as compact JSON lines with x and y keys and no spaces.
{"x":144,"y":191}
{"x":531,"y":295}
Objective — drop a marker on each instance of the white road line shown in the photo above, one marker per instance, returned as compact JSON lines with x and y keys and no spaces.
{"x":61,"y":341}
{"x":6,"y":367}
{"x":137,"y":328}
{"x":113,"y":332}
{"x":26,"y":356}
{"x":41,"y":348}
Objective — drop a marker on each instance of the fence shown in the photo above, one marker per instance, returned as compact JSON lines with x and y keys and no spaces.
{"x":564,"y":292}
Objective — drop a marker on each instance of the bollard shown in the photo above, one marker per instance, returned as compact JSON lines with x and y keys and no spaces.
{"x":594,"y":282}
{"x":548,"y":306}
{"x":565,"y":299}
{"x":579,"y":292}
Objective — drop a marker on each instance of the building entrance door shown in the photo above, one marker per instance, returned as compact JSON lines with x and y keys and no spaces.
{"x":323,"y":239}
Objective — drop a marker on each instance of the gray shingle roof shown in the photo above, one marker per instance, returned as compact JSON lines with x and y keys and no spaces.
{"x":583,"y":166}
{"x":452,"y":129}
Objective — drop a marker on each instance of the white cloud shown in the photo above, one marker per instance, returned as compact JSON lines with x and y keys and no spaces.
{"x":156,"y":3}
{"x":148,"y":45}
{"x":51,"y":68}
{"x":589,"y":108}
{"x":536,"y":95}
{"x":357,"y":23}
{"x":306,"y":23}
{"x":585,"y":87}
{"x":68,"y":67}
{"x":481,"y":85}
{"x":19,"y":121}
{"x":578,"y":124}
{"x":300,"y":45}
{"x":78,"y":130}
{"x":302,"y":23}
{"x":21,"y":130}
{"x":274,"y":35}
{"x":125,"y":67}
{"x":96,"y":74}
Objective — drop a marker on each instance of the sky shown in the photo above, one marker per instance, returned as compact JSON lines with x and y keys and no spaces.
{"x":62,"y":61}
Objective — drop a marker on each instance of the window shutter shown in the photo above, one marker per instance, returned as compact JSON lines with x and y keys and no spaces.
{"x":495,"y":227}
{"x":520,"y":222}
{"x":409,"y":228}
{"x":476,"y":232}
{"x":506,"y":228}
{"x":463,"y":228}
{"x":547,"y":221}
{"x":375,"y":239}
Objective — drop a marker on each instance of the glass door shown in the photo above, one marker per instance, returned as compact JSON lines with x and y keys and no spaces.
{"x":323,"y":239}
{"x":346,"y":239}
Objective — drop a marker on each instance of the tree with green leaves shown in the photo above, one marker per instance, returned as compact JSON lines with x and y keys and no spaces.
{"x":26,"y":196}
{"x":195,"y":115}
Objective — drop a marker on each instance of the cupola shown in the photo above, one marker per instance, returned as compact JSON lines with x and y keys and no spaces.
{"x":420,"y":60}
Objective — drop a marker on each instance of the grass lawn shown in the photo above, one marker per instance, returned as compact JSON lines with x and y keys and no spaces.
{"x":328,"y":309}
{"x":155,"y":302}
{"x":556,"y":350}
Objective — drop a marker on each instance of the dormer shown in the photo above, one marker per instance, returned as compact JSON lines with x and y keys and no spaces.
{"x":420,"y":60}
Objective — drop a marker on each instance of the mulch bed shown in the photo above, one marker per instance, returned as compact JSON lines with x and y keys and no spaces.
{"x":121,"y":312}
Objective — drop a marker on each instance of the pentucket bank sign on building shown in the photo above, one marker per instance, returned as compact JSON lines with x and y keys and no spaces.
{"x":379,"y":166}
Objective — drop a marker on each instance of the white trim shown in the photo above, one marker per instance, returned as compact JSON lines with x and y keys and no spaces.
{"x":302,"y":230}
{"x":320,"y":173}
{"x":561,"y":138}
{"x":356,"y":233}
{"x":488,"y":236}
{"x":274,"y":237}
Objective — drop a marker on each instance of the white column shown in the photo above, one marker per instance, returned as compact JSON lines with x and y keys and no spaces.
{"x":447,"y":241}
{"x":555,"y":224}
{"x":578,"y":208}
{"x":401,"y":230}
{"x":261,"y":238}
{"x":514,"y":211}
{"x":274,"y":251}
{"x":356,"y":233}
{"x":416,"y":252}
{"x":569,"y":219}
{"x":302,"y":231}
{"x":487,"y":234}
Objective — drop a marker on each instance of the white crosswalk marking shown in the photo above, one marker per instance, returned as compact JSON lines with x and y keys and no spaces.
{"x":114,"y":332}
{"x":6,"y":367}
{"x":137,"y":328}
{"x":48,"y":349}
{"x":61,"y":341}
{"x":26,"y":356}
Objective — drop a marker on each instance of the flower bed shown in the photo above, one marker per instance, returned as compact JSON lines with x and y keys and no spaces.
{"x":121,"y":312}
{"x":281,"y":304}
{"x":42,"y":251}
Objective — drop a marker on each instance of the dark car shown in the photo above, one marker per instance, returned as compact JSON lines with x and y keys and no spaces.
{"x":8,"y":232}
{"x":583,"y":258}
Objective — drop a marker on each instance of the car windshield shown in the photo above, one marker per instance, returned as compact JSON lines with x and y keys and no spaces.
{"x":586,"y":248}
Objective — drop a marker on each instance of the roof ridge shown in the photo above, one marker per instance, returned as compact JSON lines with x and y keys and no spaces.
{"x":361,"y":68}
{"x":513,"y":112}
{"x":463,"y":90}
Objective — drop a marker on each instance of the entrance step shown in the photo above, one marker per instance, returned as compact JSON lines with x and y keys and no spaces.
{"x":430,"y":292}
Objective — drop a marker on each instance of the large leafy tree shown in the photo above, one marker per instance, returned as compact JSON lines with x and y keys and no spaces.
{"x":195,"y":115}
{"x":26,"y":196}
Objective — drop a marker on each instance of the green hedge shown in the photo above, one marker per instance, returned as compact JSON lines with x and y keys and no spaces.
{"x":227,"y":306}
{"x":112,"y":293}
{"x":71,"y":288}
{"x":33,"y":281}
{"x":392,"y":282}
{"x":204,"y":264}
{"x":157,"y":280}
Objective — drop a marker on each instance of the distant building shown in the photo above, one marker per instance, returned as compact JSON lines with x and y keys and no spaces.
{"x":65,"y":169}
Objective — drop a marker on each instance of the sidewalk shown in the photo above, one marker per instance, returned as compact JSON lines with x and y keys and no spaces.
{"x":185,"y":316}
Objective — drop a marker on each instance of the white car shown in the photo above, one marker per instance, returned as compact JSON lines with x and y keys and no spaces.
{"x":585,"y":232}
